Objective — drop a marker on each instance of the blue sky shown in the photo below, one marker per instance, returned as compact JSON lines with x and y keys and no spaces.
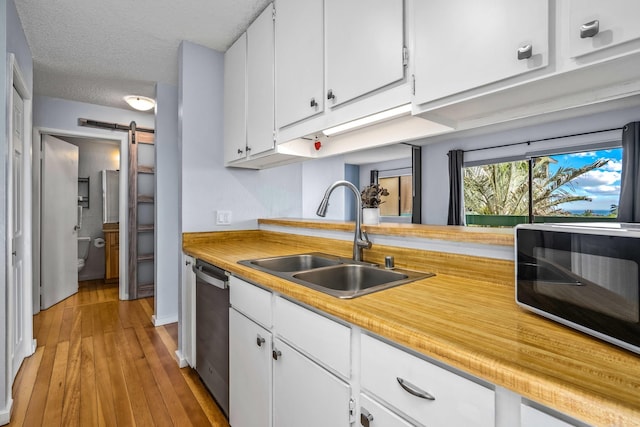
{"x":602,"y":185}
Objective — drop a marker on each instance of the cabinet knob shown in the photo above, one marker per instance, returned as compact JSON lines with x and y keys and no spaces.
{"x":330,"y":95}
{"x":248,"y":149}
{"x":525,"y":51}
{"x":365,"y":417}
{"x":589,"y":29}
{"x":240,"y":151}
{"x":414,"y":390}
{"x":260,"y":341}
{"x":276,"y":354}
{"x":313,"y":103}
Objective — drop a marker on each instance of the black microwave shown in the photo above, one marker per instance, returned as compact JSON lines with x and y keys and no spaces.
{"x":583,"y":275}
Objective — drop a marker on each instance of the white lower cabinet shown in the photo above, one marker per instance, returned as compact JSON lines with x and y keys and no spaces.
{"x":249,"y":372}
{"x":285,"y":384}
{"x":423,"y":391}
{"x":305,"y":394}
{"x":374,"y":414}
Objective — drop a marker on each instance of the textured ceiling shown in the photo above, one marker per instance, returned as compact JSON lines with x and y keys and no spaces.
{"x":98,"y":51}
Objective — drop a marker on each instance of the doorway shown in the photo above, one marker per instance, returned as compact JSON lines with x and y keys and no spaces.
{"x":96,"y":154}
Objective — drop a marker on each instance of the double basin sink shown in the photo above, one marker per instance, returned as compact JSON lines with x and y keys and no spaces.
{"x":336,"y":276}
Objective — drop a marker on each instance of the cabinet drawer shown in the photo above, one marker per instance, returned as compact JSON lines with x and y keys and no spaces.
{"x":321,"y":338}
{"x":251,"y":300}
{"x":455,"y":400}
{"x":531,"y":417}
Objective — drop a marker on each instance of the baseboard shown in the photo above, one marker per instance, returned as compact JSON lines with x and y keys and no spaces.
{"x":5,"y":414}
{"x":159,"y":321}
{"x":182,"y":361}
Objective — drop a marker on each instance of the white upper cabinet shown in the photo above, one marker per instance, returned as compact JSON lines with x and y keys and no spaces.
{"x":462,"y":45}
{"x":364,"y":47}
{"x":299,"y":60}
{"x":260,"y":82}
{"x":598,"y":24}
{"x":235,"y":98}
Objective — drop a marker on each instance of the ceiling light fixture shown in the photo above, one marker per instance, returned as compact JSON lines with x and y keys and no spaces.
{"x":141,"y":103}
{"x":374,"y":118}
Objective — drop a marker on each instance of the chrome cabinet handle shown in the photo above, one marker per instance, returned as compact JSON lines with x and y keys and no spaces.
{"x":525,"y":52}
{"x":330,"y":95}
{"x":365,"y":417}
{"x":589,"y":29}
{"x":313,"y":103}
{"x":276,"y":354}
{"x":240,"y":151}
{"x":260,"y":341}
{"x":414,"y":390}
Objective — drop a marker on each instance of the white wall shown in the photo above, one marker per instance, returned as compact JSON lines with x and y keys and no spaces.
{"x":167,"y":231}
{"x":12,"y":40}
{"x":317,"y":176}
{"x":435,"y":188}
{"x":207,"y":186}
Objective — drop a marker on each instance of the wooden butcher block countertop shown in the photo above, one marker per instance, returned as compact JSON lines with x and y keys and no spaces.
{"x":468,"y":321}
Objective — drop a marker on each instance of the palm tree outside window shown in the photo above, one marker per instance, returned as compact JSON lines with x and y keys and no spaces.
{"x":582,"y":186}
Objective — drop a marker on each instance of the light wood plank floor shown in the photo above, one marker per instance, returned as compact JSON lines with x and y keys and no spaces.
{"x":101,"y":362}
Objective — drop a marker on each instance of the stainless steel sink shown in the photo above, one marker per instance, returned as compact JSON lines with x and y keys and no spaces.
{"x":295,"y":262}
{"x":340,"y":277}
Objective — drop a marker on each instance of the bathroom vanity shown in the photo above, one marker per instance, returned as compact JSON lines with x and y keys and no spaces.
{"x":111,"y":252}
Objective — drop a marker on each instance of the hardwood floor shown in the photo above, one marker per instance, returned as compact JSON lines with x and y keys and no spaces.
{"x":101,"y":362}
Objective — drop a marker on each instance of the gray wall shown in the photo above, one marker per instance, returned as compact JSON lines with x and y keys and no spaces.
{"x":167,"y":204}
{"x":207,"y":186}
{"x":317,"y":175}
{"x":12,"y":40}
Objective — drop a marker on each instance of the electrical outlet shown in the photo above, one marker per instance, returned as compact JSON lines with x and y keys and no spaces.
{"x":223,"y":217}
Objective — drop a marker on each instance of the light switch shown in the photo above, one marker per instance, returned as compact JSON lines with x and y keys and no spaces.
{"x":223,"y":217}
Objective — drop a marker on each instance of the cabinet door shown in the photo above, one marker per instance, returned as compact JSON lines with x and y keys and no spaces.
{"x":374,"y":414}
{"x":462,"y":45}
{"x":364,"y":46}
{"x":299,"y":60}
{"x":304,"y":394}
{"x":249,"y":373}
{"x":235,"y":101}
{"x":617,"y":22}
{"x":260,"y":81}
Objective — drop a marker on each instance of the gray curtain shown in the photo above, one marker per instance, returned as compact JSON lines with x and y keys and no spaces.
{"x":629,"y":206}
{"x":455,"y":187}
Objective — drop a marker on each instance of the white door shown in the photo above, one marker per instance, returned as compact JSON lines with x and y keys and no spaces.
{"x":364,"y":41}
{"x":59,"y":247}
{"x":249,"y":373}
{"x":304,"y":394}
{"x":19,"y":346}
{"x":478,"y":42}
{"x":299,"y":60}
{"x":260,"y":81}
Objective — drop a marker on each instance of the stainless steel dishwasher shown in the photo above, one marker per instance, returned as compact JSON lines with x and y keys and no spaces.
{"x":212,"y":331}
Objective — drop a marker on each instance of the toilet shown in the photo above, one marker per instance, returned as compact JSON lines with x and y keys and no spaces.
{"x":83,"y":251}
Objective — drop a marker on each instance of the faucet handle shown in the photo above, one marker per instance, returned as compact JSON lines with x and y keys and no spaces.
{"x":364,"y":241}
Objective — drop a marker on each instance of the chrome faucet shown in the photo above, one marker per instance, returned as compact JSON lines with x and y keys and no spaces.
{"x":360,"y":238}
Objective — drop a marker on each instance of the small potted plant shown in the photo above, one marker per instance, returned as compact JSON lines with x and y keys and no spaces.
{"x":371,"y":202}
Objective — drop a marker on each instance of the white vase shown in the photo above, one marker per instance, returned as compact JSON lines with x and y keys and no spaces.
{"x":371,"y":216}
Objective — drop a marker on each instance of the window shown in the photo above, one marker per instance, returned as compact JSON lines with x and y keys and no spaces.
{"x":399,"y":201}
{"x":579,"y":186}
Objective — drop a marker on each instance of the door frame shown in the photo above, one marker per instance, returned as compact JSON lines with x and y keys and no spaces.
{"x":17,"y":80}
{"x":38,"y":132}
